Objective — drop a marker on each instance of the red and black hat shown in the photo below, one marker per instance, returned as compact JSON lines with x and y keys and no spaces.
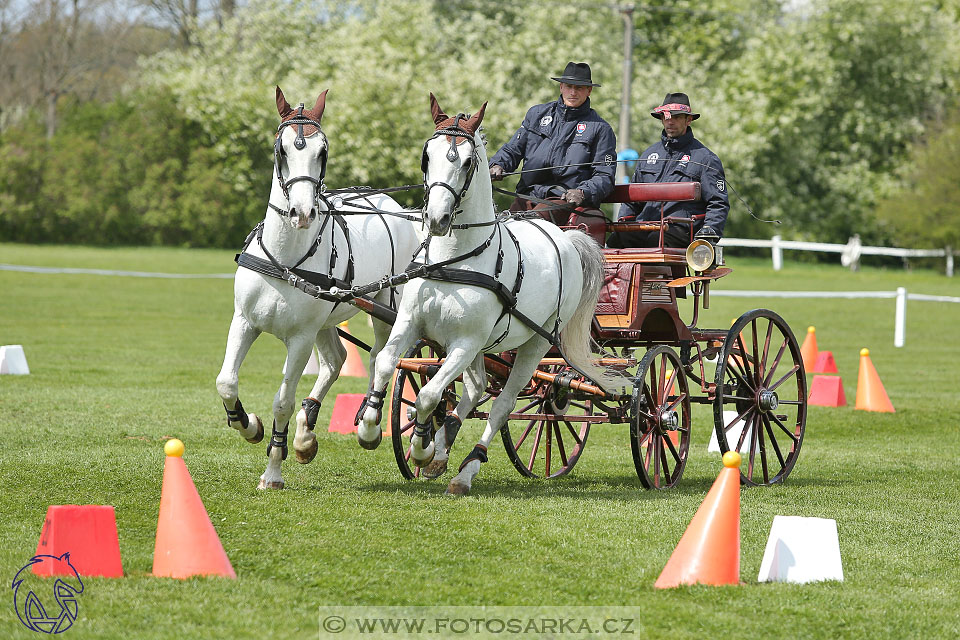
{"x":577,"y":73}
{"x":674,"y":104}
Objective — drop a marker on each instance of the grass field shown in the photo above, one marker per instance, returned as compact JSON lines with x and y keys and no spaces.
{"x":119,"y":364}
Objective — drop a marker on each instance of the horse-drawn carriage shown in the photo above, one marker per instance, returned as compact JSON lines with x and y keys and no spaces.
{"x":751,"y":374}
{"x":555,"y":334}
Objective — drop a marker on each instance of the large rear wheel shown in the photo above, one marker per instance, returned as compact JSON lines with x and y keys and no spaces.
{"x":760,"y":406}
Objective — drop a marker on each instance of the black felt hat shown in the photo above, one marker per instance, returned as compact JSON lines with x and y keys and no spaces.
{"x":677,"y":104}
{"x":577,"y":73}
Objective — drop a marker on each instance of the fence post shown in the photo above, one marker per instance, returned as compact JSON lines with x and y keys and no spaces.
{"x":776,"y":252}
{"x":949,"y":252}
{"x":901,"y":321}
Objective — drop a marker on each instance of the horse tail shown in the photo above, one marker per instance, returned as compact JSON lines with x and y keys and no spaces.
{"x":575,"y":336}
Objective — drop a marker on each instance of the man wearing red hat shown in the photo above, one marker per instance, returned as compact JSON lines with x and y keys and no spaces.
{"x":568,"y":154}
{"x":677,"y":157}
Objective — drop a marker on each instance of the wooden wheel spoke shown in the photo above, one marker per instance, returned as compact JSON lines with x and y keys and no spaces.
{"x":785,"y":377}
{"x":559,"y":438}
{"x":573,"y":432}
{"x":763,"y":450}
{"x":773,"y":442}
{"x":527,"y":407}
{"x":582,"y":406}
{"x":766,"y":346}
{"x":663,"y":460}
{"x":536,"y":446}
{"x":776,"y":363}
{"x":673,"y":405}
{"x":549,"y":449}
{"x":753,"y":446}
{"x":793,"y":437}
{"x":673,"y":449}
{"x":747,"y":423}
{"x":796,"y":403}
{"x":407,"y":426}
{"x":743,"y":364}
{"x":756,"y":350}
{"x":523,"y":437}
{"x":748,"y":384}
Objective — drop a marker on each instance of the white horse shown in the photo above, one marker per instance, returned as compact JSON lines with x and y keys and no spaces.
{"x":562,"y":273}
{"x":301,"y":235}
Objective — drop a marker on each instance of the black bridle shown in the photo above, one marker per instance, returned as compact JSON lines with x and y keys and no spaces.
{"x":299,"y":120}
{"x":455,"y":131}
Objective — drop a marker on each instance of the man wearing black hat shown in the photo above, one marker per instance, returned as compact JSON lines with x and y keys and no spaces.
{"x":568,"y":154}
{"x":677,"y":157}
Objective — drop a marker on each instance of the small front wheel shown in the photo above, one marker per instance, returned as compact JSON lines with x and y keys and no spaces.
{"x":660,"y":419}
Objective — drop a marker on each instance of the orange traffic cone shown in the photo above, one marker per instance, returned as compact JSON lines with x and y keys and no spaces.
{"x":187,"y":544}
{"x":808,"y":350}
{"x":871,"y":396}
{"x":353,"y":365}
{"x":709,"y":551}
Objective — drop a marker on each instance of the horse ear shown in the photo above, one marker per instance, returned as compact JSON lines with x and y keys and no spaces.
{"x":282,"y":107}
{"x":474,"y":122}
{"x":435,"y":110}
{"x":317,"y":111}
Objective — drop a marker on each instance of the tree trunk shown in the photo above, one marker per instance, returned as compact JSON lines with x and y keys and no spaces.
{"x":51,"y":113}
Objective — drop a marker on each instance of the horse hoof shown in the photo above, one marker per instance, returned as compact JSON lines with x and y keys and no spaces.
{"x":372,"y":444}
{"x":259,"y":435}
{"x":273,"y":484}
{"x":456,"y":490}
{"x":435,"y":469}
{"x":308,"y":454}
{"x":425,"y":460}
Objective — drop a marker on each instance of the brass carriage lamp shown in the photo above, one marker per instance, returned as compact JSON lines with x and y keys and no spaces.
{"x":703,"y":253}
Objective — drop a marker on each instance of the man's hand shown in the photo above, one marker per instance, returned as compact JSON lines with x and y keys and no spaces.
{"x":496,"y":173}
{"x":574,"y":196}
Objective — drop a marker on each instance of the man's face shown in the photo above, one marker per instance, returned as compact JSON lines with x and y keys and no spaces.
{"x":676,"y":126}
{"x":574,"y":95}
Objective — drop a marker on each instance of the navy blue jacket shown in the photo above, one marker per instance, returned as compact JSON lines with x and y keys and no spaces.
{"x":554,"y":134}
{"x":683,"y":159}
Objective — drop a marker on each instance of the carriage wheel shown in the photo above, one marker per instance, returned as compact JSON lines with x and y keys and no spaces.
{"x":760,"y":408}
{"x":406,"y":386}
{"x":660,"y":419}
{"x":550,"y":438}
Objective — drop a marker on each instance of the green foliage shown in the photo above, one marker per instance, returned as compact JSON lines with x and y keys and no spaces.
{"x":925,"y":211}
{"x":134,"y":171}
{"x":811,"y":107}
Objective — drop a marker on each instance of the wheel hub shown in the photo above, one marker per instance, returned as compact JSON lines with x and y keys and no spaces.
{"x":768,"y":400}
{"x":669,"y":420}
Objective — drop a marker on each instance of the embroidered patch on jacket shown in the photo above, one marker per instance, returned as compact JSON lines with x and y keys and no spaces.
{"x":652,"y":158}
{"x":684,"y":160}
{"x":546,"y":120}
{"x":581,"y":127}
{"x":720,"y":185}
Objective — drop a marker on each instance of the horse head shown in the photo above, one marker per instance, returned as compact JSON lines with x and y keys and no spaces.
{"x":451,"y":158}
{"x":300,"y":160}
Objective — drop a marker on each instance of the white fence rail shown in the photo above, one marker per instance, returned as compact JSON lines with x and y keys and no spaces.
{"x":901,"y":295}
{"x":849,"y":253}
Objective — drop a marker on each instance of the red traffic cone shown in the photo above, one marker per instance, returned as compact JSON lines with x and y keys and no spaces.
{"x":827,"y":391}
{"x":709,"y":551}
{"x":808,"y":350}
{"x":345,"y":408}
{"x":187,"y":544}
{"x":825,"y":363}
{"x":88,"y":533}
{"x":871,"y":396}
{"x":353,"y":365}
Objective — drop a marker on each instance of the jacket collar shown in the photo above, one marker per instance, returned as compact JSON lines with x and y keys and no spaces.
{"x":570,"y":113}
{"x":675,"y":144}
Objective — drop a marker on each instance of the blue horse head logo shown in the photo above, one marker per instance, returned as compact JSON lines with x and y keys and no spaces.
{"x":68,"y":585}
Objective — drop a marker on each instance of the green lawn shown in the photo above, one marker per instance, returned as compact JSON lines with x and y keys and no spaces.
{"x":118,"y":364}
